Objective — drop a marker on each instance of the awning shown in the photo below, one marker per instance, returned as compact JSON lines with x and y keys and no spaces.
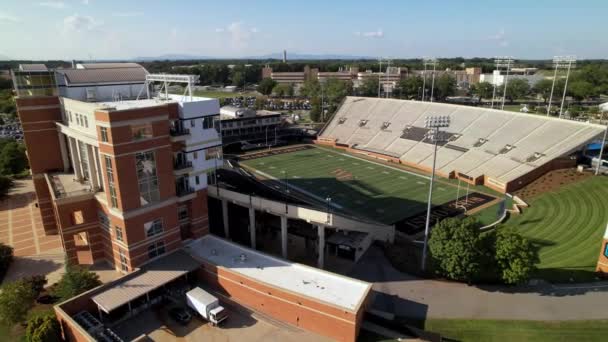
{"x":151,"y":277}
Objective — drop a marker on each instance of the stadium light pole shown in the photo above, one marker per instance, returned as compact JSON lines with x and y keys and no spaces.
{"x":433,"y":123}
{"x":423,"y":80}
{"x":504,"y":62}
{"x":569,"y":60}
{"x":556,"y":64}
{"x":379,"y":72}
{"x":433,"y":62}
{"x":599,"y":161}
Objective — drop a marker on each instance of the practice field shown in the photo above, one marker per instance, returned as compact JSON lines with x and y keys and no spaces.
{"x":567,"y":224}
{"x":357,"y":186}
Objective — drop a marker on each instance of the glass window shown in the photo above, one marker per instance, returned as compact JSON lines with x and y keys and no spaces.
{"x":86,"y":121}
{"x":213,"y":152}
{"x":182,"y":213}
{"x":139,"y":132}
{"x":78,"y":119}
{"x":156,"y":249}
{"x":103,"y":132}
{"x":208,"y":122}
{"x":153,"y":227}
{"x":118,"y":231}
{"x":123,"y":260}
{"x":104,"y":221}
{"x":196,"y":180}
{"x":147,"y":178}
{"x":194,"y":155}
{"x":110,"y":177}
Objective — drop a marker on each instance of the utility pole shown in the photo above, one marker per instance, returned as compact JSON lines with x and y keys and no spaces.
{"x":569,"y":60}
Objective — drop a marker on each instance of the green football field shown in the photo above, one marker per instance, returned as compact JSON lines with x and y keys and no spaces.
{"x":567,"y":225}
{"x":373,"y":190}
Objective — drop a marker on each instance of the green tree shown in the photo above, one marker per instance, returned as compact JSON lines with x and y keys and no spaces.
{"x":282,"y":90}
{"x":581,"y":90}
{"x":266,"y":85}
{"x":369,"y":87}
{"x":483,"y":90}
{"x":75,"y":281}
{"x":445,"y":86}
{"x":542,"y":88}
{"x":12,"y":158}
{"x":260,"y":102}
{"x":238,"y":78}
{"x":311,"y":88}
{"x":5,"y":185}
{"x":315,"y":109}
{"x":6,"y":251}
{"x":43,"y":328}
{"x":335,"y":91}
{"x":16,"y":299}
{"x":410,"y":87}
{"x":455,"y":248}
{"x":516,"y":89}
{"x":515,"y":257}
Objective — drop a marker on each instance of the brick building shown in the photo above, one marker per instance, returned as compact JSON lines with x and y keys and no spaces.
{"x":119,"y":178}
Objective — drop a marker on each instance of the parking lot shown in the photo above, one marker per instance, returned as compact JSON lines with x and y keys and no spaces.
{"x":241,"y":325}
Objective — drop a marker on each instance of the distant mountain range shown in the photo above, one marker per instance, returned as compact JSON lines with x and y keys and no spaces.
{"x":279,"y":56}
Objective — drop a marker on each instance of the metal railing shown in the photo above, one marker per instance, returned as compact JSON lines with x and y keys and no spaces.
{"x":175,"y":132}
{"x":183,"y":190}
{"x":180,"y":165}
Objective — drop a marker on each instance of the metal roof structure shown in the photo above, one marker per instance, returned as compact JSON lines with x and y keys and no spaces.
{"x":108,"y":65}
{"x":33,"y":67}
{"x":104,"y":75}
{"x":152,"y":276}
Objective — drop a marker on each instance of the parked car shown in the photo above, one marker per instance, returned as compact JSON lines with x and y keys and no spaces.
{"x":180,"y":315}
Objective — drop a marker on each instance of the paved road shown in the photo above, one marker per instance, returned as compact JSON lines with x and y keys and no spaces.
{"x":409,"y":296}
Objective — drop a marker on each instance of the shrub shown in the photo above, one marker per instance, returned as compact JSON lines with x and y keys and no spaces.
{"x":6,"y":258}
{"x":5,"y":185}
{"x":75,"y":281}
{"x":515,"y":257}
{"x":43,"y":328}
{"x":16,"y":299}
{"x":36,"y":282}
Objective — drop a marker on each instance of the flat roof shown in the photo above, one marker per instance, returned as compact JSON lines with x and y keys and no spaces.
{"x":296,"y":278}
{"x":145,"y":102}
{"x":152,"y":276}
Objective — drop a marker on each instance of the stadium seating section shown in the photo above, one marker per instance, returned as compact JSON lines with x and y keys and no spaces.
{"x":502,"y":146}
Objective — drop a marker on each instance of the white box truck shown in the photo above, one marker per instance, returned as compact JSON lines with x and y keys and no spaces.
{"x":207,"y":305}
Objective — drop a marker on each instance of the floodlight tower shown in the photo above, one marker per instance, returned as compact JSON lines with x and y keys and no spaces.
{"x":559,"y":62}
{"x":433,"y":62}
{"x":433,"y":123}
{"x":571,"y":62}
{"x":386,"y":76}
{"x":505,"y":62}
{"x":379,"y":72}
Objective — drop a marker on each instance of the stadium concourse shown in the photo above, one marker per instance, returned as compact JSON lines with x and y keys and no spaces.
{"x":499,"y":149}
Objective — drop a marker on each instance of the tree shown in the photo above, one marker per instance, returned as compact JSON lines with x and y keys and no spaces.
{"x":515,"y":257}
{"x":369,"y":87}
{"x":260,"y":102}
{"x":12,"y":158}
{"x":311,"y":88}
{"x":542,"y":88}
{"x":335,"y":91}
{"x":282,"y":90}
{"x":484,"y":90}
{"x":581,"y":90}
{"x":266,"y":85}
{"x":238,"y":78}
{"x":43,"y":328}
{"x":516,"y":89}
{"x":410,"y":87}
{"x":75,"y":281}
{"x":36,"y":282}
{"x":16,"y":299}
{"x":6,"y":251}
{"x":445,"y":86}
{"x":315,"y":109}
{"x":454,"y":247}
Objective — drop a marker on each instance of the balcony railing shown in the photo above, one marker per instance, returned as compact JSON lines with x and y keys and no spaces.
{"x":183,"y":190}
{"x":176,"y":132}
{"x":180,"y":165}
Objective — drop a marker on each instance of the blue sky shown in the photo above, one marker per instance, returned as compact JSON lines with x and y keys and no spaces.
{"x":82,"y":29}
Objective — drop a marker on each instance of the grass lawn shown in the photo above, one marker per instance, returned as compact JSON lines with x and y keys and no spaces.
{"x":490,"y":215}
{"x":382,"y":193}
{"x":503,"y":330}
{"x":567,"y":225}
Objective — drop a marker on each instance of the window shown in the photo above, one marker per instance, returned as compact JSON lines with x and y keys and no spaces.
{"x":110,"y":176}
{"x":153,"y":227}
{"x":194,"y":155}
{"x":86,"y":121}
{"x":192,"y":123}
{"x":104,"y":221}
{"x":139,"y":132}
{"x":182,"y":213}
{"x":123,"y":260}
{"x":77,"y":217}
{"x":213,"y":152}
{"x":78,"y":119}
{"x":118,"y":231}
{"x":196,"y":180}
{"x":103,"y":132}
{"x":156,"y":249}
{"x":208,"y":122}
{"x":146,"y":177}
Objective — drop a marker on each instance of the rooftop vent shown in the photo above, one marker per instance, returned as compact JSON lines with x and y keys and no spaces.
{"x":243,"y":257}
{"x":507,"y":148}
{"x":341,"y":120}
{"x":362,"y":123}
{"x":385,"y":124}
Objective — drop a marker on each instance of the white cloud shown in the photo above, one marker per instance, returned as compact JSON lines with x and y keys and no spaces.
{"x":85,"y":2}
{"x":8,"y":18}
{"x":80,"y":23}
{"x":53,"y":4}
{"x":370,"y":34}
{"x":239,"y":34}
{"x":127,"y":14}
{"x":499,"y":38}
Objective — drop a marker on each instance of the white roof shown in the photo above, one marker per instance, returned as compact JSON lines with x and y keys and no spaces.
{"x":145,"y":102}
{"x":307,"y":281}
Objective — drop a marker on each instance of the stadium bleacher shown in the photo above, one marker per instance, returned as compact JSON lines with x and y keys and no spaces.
{"x":502,"y":146}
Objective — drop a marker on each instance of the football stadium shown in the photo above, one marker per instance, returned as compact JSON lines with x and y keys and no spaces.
{"x":373,"y":160}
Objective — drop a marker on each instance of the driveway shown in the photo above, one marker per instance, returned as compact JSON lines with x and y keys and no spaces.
{"x":410,"y":296}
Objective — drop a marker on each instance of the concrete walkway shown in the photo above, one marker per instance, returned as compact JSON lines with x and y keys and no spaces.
{"x":410,"y":296}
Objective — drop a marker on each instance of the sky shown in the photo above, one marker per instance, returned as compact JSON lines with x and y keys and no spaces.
{"x":123,"y":29}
